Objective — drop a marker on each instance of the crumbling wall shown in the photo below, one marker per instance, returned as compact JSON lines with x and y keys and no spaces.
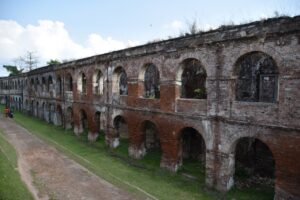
{"x":227,"y":84}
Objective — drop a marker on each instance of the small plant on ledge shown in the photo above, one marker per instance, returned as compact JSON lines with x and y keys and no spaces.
{"x":200,"y":93}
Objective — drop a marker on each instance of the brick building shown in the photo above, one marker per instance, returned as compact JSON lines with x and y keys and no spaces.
{"x":218,"y":97}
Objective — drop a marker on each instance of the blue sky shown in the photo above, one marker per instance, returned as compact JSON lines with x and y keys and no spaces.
{"x":72,"y":29}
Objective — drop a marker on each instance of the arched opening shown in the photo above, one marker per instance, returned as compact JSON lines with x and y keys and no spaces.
{"x":98,"y":83}
{"x":150,"y":134}
{"x":37,"y":83}
{"x":69,"y":118}
{"x":49,"y":84}
{"x":50,"y":113}
{"x":43,"y":84}
{"x":59,"y":116}
{"x":20,"y":103}
{"x":83,"y":120}
{"x":257,"y":78}
{"x":26,"y":105}
{"x":119,"y":80}
{"x":192,"y":152}
{"x":121,"y":129}
{"x":151,"y":81}
{"x":97,"y":121}
{"x":37,"y":109}
{"x":254,"y":165}
{"x":121,"y":133}
{"x":151,"y":143}
{"x":32,"y":108}
{"x":81,"y":83}
{"x":69,"y":83}
{"x":193,"y":79}
{"x":43,"y":111}
{"x":31,"y":83}
{"x":59,"y":86}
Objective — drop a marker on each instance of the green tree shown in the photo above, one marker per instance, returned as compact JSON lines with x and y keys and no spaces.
{"x":13,"y":70}
{"x":53,"y":62}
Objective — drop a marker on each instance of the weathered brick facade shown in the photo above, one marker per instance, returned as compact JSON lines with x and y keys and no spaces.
{"x":93,"y":100}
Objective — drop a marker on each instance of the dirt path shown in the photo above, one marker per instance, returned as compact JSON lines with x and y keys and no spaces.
{"x":51,"y":175}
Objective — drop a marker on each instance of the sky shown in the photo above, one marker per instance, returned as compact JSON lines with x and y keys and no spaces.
{"x":73,"y":29}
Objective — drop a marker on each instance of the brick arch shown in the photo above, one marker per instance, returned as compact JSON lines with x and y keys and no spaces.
{"x":263,"y":144}
{"x":120,"y":127}
{"x":59,"y":115}
{"x":120,"y":81}
{"x":235,"y":58}
{"x":150,"y":139}
{"x":69,"y":118}
{"x":149,"y":86}
{"x":188,"y":66}
{"x":256,"y":77}
{"x":98,"y":81}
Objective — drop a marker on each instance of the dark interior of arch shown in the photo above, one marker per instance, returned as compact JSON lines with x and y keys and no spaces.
{"x":97,"y":121}
{"x":254,"y":162}
{"x":192,"y":145}
{"x":59,"y":85}
{"x":69,"y":83}
{"x":151,"y":82}
{"x":83,"y":119}
{"x":121,"y":127}
{"x":151,"y":136}
{"x":83,"y":79}
{"x":257,"y":78}
{"x":98,"y":79}
{"x":59,"y":116}
{"x":123,"y":88}
{"x":69,"y":117}
{"x":193,"y":80}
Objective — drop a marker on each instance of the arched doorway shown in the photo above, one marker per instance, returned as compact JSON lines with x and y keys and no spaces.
{"x":151,"y":141}
{"x":83,"y":120}
{"x":121,"y":133}
{"x":192,"y":152}
{"x":97,"y":121}
{"x":193,"y":79}
{"x":254,"y":165}
{"x":59,"y":116}
{"x":69,"y":118}
{"x":120,"y":126}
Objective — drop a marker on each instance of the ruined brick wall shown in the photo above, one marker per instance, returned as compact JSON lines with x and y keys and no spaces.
{"x":236,"y":95}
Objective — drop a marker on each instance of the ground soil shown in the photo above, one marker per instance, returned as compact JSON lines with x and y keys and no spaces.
{"x":49,"y":174}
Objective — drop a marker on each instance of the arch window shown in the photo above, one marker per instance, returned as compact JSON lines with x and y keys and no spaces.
{"x":98,"y":83}
{"x":120,"y":81}
{"x":257,"y":78}
{"x":151,"y":82}
{"x":193,"y":79}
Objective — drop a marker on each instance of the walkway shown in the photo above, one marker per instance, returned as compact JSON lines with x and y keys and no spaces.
{"x":49,"y":174}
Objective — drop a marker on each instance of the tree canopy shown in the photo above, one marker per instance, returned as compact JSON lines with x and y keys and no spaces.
{"x":13,"y":70}
{"x":53,"y":62}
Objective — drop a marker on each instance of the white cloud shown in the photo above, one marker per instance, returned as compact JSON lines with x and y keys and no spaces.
{"x":175,"y":25}
{"x":50,"y":40}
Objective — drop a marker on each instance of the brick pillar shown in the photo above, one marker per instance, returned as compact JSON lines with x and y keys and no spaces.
{"x":77,"y":123}
{"x":220,"y":170}
{"x":171,"y":92}
{"x":286,"y":152}
{"x":136,"y":147}
{"x":170,"y":157}
{"x":111,"y":138}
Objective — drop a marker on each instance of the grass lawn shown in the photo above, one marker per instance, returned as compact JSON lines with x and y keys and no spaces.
{"x":11,"y":185}
{"x":141,"y":177}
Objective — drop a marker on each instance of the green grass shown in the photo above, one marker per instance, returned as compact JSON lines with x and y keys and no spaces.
{"x":133,"y":175}
{"x":11,"y":185}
